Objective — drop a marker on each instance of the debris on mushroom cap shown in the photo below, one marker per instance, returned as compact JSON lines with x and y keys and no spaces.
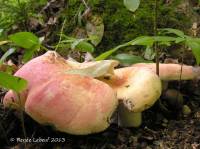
{"x":94,"y":69}
{"x":172,"y":71}
{"x":72,"y":103}
{"x":37,"y":71}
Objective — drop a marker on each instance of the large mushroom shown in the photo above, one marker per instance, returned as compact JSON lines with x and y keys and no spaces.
{"x":72,"y":103}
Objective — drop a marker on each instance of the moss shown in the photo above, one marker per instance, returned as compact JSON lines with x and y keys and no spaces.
{"x":122,"y":25}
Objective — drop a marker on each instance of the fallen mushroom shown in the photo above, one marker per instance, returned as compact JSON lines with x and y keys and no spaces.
{"x":139,"y":89}
{"x":72,"y":103}
{"x":172,"y":71}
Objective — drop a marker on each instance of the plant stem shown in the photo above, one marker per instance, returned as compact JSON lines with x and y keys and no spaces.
{"x":61,"y":34}
{"x":2,"y":129}
{"x":22,"y":118}
{"x":84,"y":2}
{"x":155,"y":34}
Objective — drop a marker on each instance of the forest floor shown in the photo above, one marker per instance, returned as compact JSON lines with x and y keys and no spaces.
{"x":158,"y":131}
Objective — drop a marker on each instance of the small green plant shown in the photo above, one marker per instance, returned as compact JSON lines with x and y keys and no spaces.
{"x":147,"y":41}
{"x":81,"y":45}
{"x":28,"y":41}
{"x":167,"y":37}
{"x":181,"y":38}
{"x":9,"y":81}
{"x":32,"y":44}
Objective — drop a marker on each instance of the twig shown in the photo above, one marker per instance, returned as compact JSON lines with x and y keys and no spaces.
{"x":22,"y":118}
{"x":155,"y":34}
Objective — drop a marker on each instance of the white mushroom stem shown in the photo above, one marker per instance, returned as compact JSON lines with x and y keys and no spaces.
{"x":128,"y":118}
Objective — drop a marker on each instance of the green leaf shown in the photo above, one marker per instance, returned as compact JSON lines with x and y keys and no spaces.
{"x":25,"y":39}
{"x":75,"y":42}
{"x":143,"y":41}
{"x":128,"y":59}
{"x":173,"y":31}
{"x":78,"y":44}
{"x":28,"y":55}
{"x":147,"y":41}
{"x":195,"y":46}
{"x":179,"y":40}
{"x":85,"y":47}
{"x":132,"y":5}
{"x":1,"y":32}
{"x":105,"y":54}
{"x":110,"y":52}
{"x":12,"y":82}
{"x":8,"y":53}
{"x":196,"y":40}
{"x":149,"y":54}
{"x":164,"y":38}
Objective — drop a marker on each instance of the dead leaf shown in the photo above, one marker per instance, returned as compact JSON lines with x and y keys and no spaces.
{"x":93,"y":69}
{"x":3,"y":42}
{"x":95,"y":29}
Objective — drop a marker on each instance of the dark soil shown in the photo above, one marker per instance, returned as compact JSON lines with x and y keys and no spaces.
{"x":161,"y":129}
